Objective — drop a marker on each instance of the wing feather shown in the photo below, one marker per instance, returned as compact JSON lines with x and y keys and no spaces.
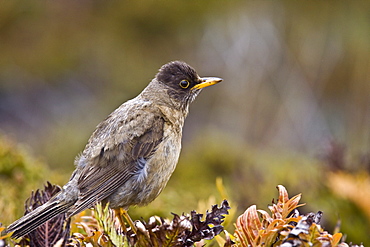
{"x":118,"y":161}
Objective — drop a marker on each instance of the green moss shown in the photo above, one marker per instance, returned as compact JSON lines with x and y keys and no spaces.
{"x":20,"y":173}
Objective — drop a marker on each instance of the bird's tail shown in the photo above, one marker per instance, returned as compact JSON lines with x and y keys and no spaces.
{"x":39,"y":216}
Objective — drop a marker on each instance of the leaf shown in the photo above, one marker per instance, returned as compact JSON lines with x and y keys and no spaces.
{"x":5,"y":236}
{"x":248,"y":226}
{"x":184,"y":230}
{"x":284,"y":206}
{"x":106,"y":221}
{"x":336,"y":238}
{"x":51,"y":232}
{"x":284,"y":227}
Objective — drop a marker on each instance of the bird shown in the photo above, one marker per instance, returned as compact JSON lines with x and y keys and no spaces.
{"x":132,"y":154}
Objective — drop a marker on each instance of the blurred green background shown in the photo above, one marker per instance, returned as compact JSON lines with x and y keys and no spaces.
{"x":294,"y":107}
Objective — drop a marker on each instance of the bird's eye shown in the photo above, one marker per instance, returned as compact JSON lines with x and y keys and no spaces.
{"x":184,"y":84}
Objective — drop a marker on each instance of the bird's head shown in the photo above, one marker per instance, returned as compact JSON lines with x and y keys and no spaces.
{"x":182,"y":82}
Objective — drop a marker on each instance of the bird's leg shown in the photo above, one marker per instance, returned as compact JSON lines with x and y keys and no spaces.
{"x":122,"y":213}
{"x":117,"y":212}
{"x":129,"y":220}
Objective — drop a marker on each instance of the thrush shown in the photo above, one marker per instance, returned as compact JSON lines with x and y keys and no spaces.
{"x":131,"y":155}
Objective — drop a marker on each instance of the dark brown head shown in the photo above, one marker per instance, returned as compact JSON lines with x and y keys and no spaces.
{"x":182,"y":82}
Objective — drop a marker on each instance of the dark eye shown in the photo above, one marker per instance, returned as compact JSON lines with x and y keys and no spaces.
{"x":184,"y":84}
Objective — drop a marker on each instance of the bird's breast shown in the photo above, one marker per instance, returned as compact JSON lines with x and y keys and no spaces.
{"x":149,"y":181}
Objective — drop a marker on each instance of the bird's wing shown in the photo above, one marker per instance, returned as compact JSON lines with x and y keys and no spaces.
{"x":118,"y":155}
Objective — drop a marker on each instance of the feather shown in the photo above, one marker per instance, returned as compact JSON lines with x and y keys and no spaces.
{"x":39,"y":216}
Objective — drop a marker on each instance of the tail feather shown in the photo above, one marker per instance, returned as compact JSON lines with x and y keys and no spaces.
{"x":36,"y":218}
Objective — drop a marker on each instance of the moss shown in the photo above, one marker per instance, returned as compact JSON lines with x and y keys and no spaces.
{"x":20,"y":173}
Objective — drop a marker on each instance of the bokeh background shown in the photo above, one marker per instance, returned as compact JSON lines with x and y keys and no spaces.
{"x":294,"y":107}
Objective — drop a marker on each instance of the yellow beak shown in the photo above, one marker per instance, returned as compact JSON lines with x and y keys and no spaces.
{"x":206,"y":82}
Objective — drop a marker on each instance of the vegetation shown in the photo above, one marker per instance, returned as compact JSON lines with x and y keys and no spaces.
{"x":284,"y":227}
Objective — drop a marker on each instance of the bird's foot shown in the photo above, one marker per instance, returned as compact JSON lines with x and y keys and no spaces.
{"x":122,"y":214}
